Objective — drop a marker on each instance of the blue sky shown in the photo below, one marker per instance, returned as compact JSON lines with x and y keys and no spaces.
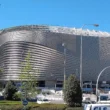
{"x":66,"y":13}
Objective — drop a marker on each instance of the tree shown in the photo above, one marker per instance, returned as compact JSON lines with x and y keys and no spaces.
{"x":72,"y":92}
{"x":28,"y":77}
{"x":10,"y":90}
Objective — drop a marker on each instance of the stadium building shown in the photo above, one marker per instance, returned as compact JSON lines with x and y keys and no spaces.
{"x":47,"y":53}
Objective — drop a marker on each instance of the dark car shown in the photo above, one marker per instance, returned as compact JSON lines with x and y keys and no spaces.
{"x":32,"y":99}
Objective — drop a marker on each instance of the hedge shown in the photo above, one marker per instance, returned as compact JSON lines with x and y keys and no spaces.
{"x":17,"y":105}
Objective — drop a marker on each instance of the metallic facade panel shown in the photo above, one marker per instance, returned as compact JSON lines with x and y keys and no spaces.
{"x":46,"y":51}
{"x":45,"y":43}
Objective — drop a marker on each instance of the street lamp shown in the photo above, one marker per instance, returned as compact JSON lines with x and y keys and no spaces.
{"x":64,"y":74}
{"x":55,"y":79}
{"x":96,"y":25}
{"x":99,"y":77}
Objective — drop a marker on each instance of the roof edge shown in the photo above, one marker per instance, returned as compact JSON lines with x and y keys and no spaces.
{"x":58,"y":29}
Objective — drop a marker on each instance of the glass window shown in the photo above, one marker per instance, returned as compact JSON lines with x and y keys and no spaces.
{"x":93,"y":86}
{"x":88,"y":86}
{"x":45,"y":99}
{"x":84,"y":86}
{"x":103,"y":98}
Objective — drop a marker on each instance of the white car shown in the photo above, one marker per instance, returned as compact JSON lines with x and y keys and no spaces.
{"x":104,"y":99}
{"x":42,"y":101}
{"x":97,"y":107}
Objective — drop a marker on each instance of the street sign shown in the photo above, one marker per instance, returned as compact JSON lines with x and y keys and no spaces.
{"x":24,"y":102}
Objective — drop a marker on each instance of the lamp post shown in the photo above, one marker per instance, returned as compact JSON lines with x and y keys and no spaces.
{"x":55,"y":80}
{"x":99,"y":77}
{"x":81,"y":44}
{"x":64,"y":74}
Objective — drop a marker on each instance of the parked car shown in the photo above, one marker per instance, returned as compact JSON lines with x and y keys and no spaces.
{"x":1,"y":97}
{"x":42,"y":101}
{"x":104,"y":99}
{"x":85,"y":102}
{"x":104,"y":87}
{"x":32,"y":99}
{"x":97,"y":107}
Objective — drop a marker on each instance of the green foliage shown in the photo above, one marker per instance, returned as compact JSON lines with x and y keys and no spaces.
{"x":10,"y":90}
{"x":8,"y":102}
{"x":74,"y":108}
{"x":28,"y":77}
{"x":16,"y":105}
{"x":17,"y":96}
{"x":72,"y":92}
{"x":11,"y":107}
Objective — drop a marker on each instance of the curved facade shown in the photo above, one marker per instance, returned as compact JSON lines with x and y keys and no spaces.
{"x":45,"y":44}
{"x":46,"y":51}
